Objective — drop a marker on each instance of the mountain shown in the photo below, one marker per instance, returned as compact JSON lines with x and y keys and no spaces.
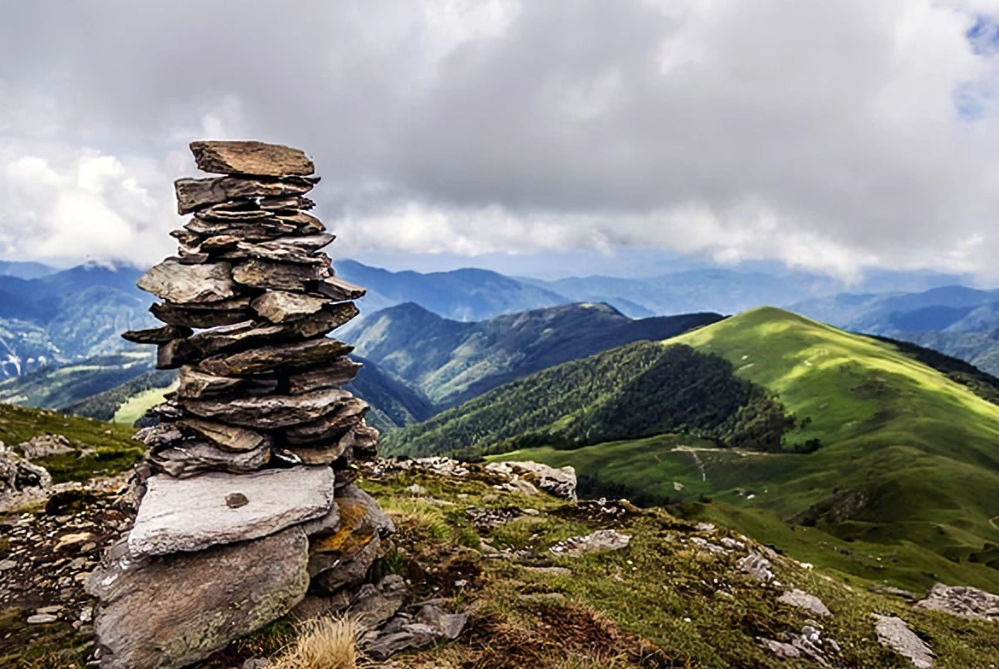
{"x":59,"y":387}
{"x":461,"y":295}
{"x":877,"y":447}
{"x":393,"y":403}
{"x":67,"y":316}
{"x":25,"y":270}
{"x":451,"y":362}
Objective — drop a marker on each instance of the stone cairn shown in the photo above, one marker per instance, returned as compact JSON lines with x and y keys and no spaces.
{"x":247,"y":496}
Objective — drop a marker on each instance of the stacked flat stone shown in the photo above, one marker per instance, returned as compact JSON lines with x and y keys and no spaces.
{"x":250,"y":501}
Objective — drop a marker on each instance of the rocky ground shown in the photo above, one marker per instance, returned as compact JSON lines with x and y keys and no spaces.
{"x":488,"y":570}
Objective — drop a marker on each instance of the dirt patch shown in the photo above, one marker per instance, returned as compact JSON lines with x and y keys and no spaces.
{"x":551,"y":635}
{"x":598,"y":514}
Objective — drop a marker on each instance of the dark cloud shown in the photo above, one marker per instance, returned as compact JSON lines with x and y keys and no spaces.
{"x":830,"y":135}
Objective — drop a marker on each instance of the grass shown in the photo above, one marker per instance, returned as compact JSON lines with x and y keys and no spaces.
{"x":137,"y":405}
{"x":109,"y":448}
{"x":660,"y":602}
{"x":909,"y":466}
{"x":326,"y":643}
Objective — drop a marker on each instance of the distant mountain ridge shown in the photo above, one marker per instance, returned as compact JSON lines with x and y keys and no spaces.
{"x":451,"y":362}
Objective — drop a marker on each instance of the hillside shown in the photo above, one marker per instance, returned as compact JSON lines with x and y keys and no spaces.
{"x":451,"y":362}
{"x":904,"y":453}
{"x":679,"y":594}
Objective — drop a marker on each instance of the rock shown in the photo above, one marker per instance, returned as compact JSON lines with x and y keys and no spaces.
{"x":270,"y":411}
{"x":256,"y":663}
{"x":219,"y":340}
{"x":349,"y":566}
{"x":331,"y":426}
{"x":340,"y":372}
{"x":185,"y":284}
{"x":205,"y":226}
{"x":895,"y":634}
{"x":225,"y":436}
{"x":599,"y":541}
{"x":806,"y":601}
{"x":305,"y":224}
{"x":194,"y":194}
{"x":558,"y":482}
{"x":175,"y":610}
{"x":17,"y":474}
{"x":962,"y":601}
{"x":373,"y":605}
{"x":339,"y":290}
{"x":346,"y":551}
{"x":781,"y":649}
{"x":159,"y":335}
{"x":313,"y":353}
{"x":449,"y":625}
{"x":280,"y":306}
{"x":756,"y":566}
{"x":278,"y":252}
{"x":44,"y":446}
{"x":42,"y":619}
{"x":412,"y":635}
{"x":192,"y":514}
{"x":290,"y":203}
{"x":323,"y":454}
{"x":277,"y":276}
{"x":226,"y":312}
{"x":189,"y":458}
{"x":196,"y":385}
{"x":250,"y":158}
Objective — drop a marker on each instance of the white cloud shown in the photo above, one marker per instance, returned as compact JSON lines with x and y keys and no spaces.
{"x":835,"y":136}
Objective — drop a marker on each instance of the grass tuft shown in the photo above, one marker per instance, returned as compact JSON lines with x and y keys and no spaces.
{"x":326,"y":643}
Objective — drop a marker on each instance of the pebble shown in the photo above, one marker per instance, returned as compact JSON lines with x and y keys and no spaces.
{"x":41,"y":619}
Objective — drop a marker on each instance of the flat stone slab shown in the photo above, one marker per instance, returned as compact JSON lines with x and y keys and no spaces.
{"x":184,"y":284}
{"x":805,"y":601}
{"x":172,"y":611}
{"x":271,"y":412}
{"x":962,"y":601}
{"x":312,"y":353}
{"x":894,"y":633}
{"x":251,"y":158}
{"x":178,"y":515}
{"x":279,"y":306}
{"x":194,"y":194}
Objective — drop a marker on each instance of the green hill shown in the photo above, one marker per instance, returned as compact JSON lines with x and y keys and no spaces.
{"x":451,"y":362}
{"x":904,"y":454}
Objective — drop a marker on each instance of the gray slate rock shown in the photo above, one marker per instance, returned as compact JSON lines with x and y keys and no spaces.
{"x":305,"y":354}
{"x":189,"y":458}
{"x":805,"y":601}
{"x":17,"y":474}
{"x":962,"y":601}
{"x":280,"y":306}
{"x":894,"y":633}
{"x":172,"y":611}
{"x":194,"y":194}
{"x":270,"y":411}
{"x":184,"y":284}
{"x":216,"y":508}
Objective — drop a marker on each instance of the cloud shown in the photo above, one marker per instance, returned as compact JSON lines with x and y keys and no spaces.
{"x":835,"y":136}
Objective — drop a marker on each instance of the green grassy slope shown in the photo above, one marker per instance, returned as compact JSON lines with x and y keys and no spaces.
{"x":909,"y":457}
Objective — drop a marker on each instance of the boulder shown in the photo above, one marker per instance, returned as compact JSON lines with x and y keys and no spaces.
{"x":598,"y":542}
{"x":17,"y":474}
{"x":181,"y":515}
{"x":194,"y":194}
{"x":45,"y":445}
{"x":347,"y":551}
{"x":250,"y":158}
{"x":280,"y":306}
{"x":962,"y":601}
{"x":184,"y":284}
{"x":558,"y":482}
{"x":175,"y":610}
{"x":894,"y":633}
{"x":312,"y":353}
{"x":270,"y":412}
{"x":806,"y":602}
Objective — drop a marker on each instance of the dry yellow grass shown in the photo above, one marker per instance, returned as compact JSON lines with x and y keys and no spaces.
{"x":326,"y":643}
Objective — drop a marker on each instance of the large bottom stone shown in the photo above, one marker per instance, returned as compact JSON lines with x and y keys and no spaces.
{"x":172,"y":611}
{"x":216,"y":508}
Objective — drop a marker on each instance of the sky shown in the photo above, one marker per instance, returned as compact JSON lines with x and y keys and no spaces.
{"x":565,"y":136}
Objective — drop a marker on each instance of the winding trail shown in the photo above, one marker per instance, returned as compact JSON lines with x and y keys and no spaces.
{"x":697,"y":459}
